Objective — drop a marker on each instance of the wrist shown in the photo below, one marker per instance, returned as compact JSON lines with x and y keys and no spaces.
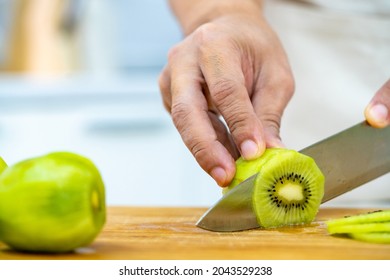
{"x":191,"y":14}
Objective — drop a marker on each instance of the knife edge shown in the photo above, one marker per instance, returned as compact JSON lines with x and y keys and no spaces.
{"x":370,"y":148}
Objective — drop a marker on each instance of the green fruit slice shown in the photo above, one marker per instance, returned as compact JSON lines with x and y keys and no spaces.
{"x":361,"y":228}
{"x":370,"y":227}
{"x":288,"y":190}
{"x":372,"y":237}
{"x":52,"y":203}
{"x":376,"y":216}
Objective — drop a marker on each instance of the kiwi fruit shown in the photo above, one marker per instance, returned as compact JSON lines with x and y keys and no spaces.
{"x":53,"y":203}
{"x":288,"y":188}
{"x":370,"y":227}
{"x":3,"y":164}
{"x":248,"y":168}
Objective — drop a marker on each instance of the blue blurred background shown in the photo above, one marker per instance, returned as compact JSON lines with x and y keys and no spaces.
{"x":81,"y":75}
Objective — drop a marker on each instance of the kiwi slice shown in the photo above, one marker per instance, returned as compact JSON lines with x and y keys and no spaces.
{"x":288,"y":189}
{"x":375,"y":216}
{"x":372,"y":237}
{"x":371,"y":227}
{"x":53,"y":203}
{"x":361,"y":228}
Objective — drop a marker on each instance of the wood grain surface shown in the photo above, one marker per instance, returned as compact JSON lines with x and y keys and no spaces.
{"x":135,"y":233}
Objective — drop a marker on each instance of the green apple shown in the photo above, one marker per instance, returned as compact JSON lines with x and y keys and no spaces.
{"x":53,"y":203}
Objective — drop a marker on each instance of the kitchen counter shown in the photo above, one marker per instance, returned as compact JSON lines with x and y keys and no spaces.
{"x":169,"y":233}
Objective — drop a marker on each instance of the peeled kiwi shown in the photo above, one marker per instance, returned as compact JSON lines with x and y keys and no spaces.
{"x":53,"y":203}
{"x":3,"y":164}
{"x":288,"y":187}
{"x":371,"y":227}
{"x":247,"y":168}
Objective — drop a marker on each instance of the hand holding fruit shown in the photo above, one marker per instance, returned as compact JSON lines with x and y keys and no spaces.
{"x":231,"y":65}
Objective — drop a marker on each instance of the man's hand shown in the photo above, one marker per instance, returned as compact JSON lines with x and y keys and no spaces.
{"x":231,"y":69}
{"x":378,"y":110}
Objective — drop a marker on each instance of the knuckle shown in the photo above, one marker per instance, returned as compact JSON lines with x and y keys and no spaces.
{"x":272,"y":121}
{"x":202,"y":150}
{"x":199,"y":149}
{"x":173,"y":52}
{"x":283,"y":84}
{"x":180,"y":112}
{"x":163,"y":82}
{"x":287,"y":84}
{"x":222,"y":91}
{"x":206,"y":32}
{"x":239,"y":123}
{"x":281,"y":87}
{"x":236,"y":115}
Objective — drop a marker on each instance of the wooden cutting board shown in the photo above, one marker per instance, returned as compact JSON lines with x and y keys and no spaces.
{"x":170,"y":233}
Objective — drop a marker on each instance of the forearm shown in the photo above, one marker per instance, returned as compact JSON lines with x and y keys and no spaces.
{"x":192,"y":14}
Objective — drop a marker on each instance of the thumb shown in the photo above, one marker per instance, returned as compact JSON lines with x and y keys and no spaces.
{"x":377,"y":111}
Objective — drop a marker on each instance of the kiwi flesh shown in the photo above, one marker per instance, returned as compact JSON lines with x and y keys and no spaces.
{"x":288,"y":188}
{"x":53,"y":203}
{"x":374,"y":216}
{"x":371,"y":227}
{"x":248,"y":168}
{"x":361,"y":228}
{"x":372,"y":237}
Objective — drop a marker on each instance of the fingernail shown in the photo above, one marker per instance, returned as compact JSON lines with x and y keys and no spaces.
{"x":249,"y":150}
{"x":378,"y":114}
{"x":219,"y":175}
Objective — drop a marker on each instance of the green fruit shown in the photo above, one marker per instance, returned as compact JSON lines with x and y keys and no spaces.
{"x":3,"y":165}
{"x":376,"y":216}
{"x":361,"y":228}
{"x":370,"y":227}
{"x":372,"y":237}
{"x":288,"y":188}
{"x":52,"y":203}
{"x":247,"y":168}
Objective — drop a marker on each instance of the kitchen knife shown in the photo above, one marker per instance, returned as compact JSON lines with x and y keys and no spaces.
{"x":347,"y":159}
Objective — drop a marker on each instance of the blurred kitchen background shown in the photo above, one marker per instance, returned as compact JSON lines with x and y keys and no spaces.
{"x":81,"y":75}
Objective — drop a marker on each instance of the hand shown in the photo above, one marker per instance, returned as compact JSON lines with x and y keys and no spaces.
{"x":377,"y":111}
{"x":232,"y":68}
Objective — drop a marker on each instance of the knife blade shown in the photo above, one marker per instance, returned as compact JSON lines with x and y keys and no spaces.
{"x":347,"y":159}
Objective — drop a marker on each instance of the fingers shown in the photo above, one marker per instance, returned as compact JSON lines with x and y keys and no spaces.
{"x":164,"y":82}
{"x":377,"y":111}
{"x":210,"y":74}
{"x":226,"y":83}
{"x":200,"y":130}
{"x":274,"y":91}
